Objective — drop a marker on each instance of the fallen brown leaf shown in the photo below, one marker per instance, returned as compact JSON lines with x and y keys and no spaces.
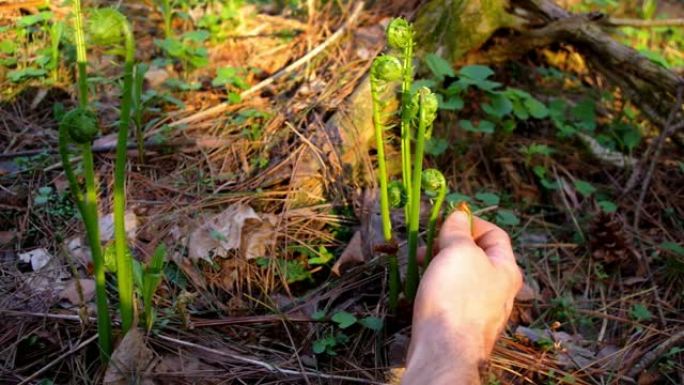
{"x":129,"y":360}
{"x":71,"y":291}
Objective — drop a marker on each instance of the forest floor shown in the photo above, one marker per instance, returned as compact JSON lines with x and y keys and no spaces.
{"x":251,"y":292}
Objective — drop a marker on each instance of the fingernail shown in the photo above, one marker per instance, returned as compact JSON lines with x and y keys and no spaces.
{"x":465,"y":209}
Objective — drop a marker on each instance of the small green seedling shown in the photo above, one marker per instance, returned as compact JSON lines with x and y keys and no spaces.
{"x":341,"y":320}
{"x":166,"y":9}
{"x":187,"y":49}
{"x":56,"y":31}
{"x":147,"y":280}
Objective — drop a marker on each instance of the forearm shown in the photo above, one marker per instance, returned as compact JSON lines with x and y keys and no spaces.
{"x":440,"y":355}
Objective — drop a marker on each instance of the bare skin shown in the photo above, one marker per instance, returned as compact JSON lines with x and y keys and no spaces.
{"x":463,"y":302}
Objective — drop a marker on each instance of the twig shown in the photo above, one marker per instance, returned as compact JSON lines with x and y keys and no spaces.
{"x":650,"y":357}
{"x":265,"y":365}
{"x":616,"y":22}
{"x":260,"y":319}
{"x":655,"y":148}
{"x":63,"y":317}
{"x":220,"y":108}
{"x":58,"y":359}
{"x":110,"y":147}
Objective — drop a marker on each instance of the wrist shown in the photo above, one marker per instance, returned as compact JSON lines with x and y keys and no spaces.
{"x":444,"y":353}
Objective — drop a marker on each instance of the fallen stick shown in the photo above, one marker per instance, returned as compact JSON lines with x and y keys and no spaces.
{"x":220,"y":108}
{"x":638,"y":23}
{"x":650,"y":357}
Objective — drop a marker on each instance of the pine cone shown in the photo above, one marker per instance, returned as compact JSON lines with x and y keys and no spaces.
{"x":609,"y":241}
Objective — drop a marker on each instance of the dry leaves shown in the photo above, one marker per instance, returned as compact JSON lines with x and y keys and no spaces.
{"x":72,"y":288}
{"x":38,"y":258}
{"x":238,"y":227}
{"x":129,"y":360}
{"x":107,"y":226}
{"x":569,"y":353}
{"x":174,"y":369}
{"x":360,"y":247}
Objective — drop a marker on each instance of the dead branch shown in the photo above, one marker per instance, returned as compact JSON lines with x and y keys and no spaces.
{"x":655,"y":148}
{"x":650,"y":357}
{"x":638,"y":23}
{"x":585,"y":34}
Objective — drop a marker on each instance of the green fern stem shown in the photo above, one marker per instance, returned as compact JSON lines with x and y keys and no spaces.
{"x":382,"y":165}
{"x":406,"y":121}
{"x":167,"y":14}
{"x":414,"y":202}
{"x":88,"y":203}
{"x":90,"y":218}
{"x":124,"y":263}
{"x":432,"y":224}
{"x":81,"y":58}
{"x":394,"y":284}
{"x":76,"y":194}
{"x":138,"y":80}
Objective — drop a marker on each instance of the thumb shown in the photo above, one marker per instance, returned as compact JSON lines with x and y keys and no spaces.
{"x":455,"y":230}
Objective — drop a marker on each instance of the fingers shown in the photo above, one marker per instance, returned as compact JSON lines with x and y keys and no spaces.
{"x":455,"y":230}
{"x":496,"y":244}
{"x":420,"y":255}
{"x":493,"y":240}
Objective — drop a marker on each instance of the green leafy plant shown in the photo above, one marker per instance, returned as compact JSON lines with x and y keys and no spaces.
{"x":640,"y":313}
{"x":166,"y":9}
{"x":506,"y":218}
{"x":188,"y":50}
{"x":21,"y":75}
{"x":80,"y":126}
{"x":290,"y":270}
{"x":344,"y":319}
{"x":341,"y":320}
{"x":223,"y":21}
{"x":147,"y":280}
{"x":607,"y":206}
{"x":29,"y":30}
{"x":328,"y":343}
{"x":56,"y":31}
{"x":109,"y":27}
{"x":232,"y":78}
{"x":501,"y":106}
{"x":585,"y":188}
{"x":534,"y":149}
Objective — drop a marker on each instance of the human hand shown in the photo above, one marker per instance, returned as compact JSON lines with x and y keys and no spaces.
{"x":464,"y":299}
